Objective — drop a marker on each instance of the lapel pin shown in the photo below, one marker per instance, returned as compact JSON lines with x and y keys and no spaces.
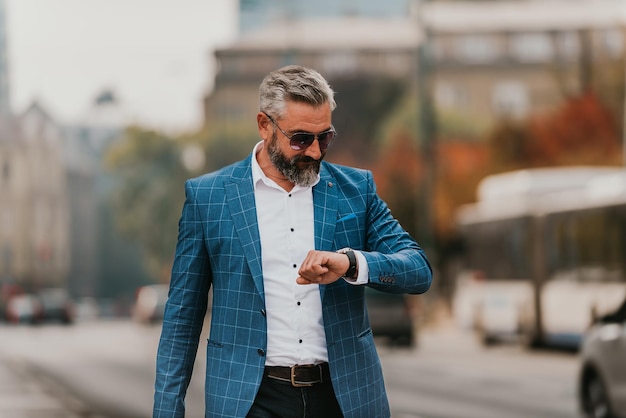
{"x":330,"y":184}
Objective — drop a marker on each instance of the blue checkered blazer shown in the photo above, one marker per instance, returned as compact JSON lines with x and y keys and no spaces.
{"x":219,"y":246}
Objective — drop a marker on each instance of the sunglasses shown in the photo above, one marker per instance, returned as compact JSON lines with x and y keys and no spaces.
{"x":302,"y":140}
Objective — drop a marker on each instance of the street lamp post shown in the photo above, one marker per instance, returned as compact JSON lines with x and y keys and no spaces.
{"x":427,"y":130}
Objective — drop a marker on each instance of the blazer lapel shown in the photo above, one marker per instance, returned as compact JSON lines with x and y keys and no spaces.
{"x":325,"y":213}
{"x":241,"y":202}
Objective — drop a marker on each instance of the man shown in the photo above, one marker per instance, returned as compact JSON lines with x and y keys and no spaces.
{"x":288,"y":243}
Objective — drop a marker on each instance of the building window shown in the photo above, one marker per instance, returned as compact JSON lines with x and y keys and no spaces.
{"x":398,"y":64}
{"x":476,"y":49}
{"x":613,"y":42}
{"x":6,"y":258}
{"x":340,"y":63}
{"x":510,"y":98}
{"x":568,"y":45}
{"x":6,"y":171}
{"x":6,"y":224}
{"x":532,"y":47}
{"x":451,"y":96}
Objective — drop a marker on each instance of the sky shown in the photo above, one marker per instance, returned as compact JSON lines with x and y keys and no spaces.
{"x":156,"y":55}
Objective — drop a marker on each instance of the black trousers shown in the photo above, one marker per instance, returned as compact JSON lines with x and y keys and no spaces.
{"x":278,"y":399}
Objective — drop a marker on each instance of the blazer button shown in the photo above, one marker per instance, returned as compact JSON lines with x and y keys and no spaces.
{"x":263,"y":312}
{"x":261,"y":352}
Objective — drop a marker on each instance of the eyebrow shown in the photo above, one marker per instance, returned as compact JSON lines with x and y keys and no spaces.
{"x":312,"y":133}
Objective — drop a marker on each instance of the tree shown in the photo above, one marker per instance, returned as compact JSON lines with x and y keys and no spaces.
{"x":462,"y":164}
{"x":398,"y":174}
{"x":224,"y":145}
{"x":364,"y":104}
{"x":511,"y":146}
{"x":148,"y":175}
{"x":149,"y":170}
{"x":580,"y":131}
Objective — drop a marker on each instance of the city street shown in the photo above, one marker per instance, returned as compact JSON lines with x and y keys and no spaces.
{"x":105,"y":369}
{"x":450,"y":375}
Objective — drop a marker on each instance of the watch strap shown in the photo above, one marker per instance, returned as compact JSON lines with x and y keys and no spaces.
{"x":353,"y":271}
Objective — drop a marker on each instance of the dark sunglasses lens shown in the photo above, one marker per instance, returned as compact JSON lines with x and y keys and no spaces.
{"x":301,"y":141}
{"x":325,"y":139}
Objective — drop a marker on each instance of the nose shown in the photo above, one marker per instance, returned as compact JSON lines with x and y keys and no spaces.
{"x":314,"y":151}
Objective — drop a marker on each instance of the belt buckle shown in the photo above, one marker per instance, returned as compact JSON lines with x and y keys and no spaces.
{"x":303,"y":385}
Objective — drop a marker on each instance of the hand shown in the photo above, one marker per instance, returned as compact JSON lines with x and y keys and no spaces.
{"x":322,"y":267}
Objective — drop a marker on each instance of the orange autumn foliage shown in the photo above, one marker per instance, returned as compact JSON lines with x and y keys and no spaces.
{"x":582,"y":131}
{"x":460,"y":167}
{"x":398,"y":174}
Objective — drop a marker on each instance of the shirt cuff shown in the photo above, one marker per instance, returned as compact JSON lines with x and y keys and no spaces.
{"x":364,"y":272}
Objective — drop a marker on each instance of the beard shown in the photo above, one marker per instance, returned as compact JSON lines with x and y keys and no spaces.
{"x":288,"y":167}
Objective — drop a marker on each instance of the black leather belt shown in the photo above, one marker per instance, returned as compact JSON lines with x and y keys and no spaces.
{"x":300,"y":375}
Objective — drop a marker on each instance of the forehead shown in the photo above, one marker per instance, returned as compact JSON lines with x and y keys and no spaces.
{"x":306,"y":117}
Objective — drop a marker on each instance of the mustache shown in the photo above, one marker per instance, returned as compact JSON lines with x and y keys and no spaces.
{"x":305,"y":159}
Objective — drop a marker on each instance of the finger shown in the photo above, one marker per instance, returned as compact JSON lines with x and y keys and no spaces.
{"x":302,"y":280}
{"x":312,"y":271}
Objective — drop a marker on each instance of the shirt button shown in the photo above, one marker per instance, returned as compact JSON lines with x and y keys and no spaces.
{"x":300,"y":341}
{"x":298,"y":303}
{"x":294,"y":266}
{"x":292,"y":229}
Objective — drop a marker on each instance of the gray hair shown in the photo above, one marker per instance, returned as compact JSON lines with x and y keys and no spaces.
{"x":293,"y":83}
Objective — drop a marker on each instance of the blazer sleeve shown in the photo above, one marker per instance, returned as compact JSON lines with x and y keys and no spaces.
{"x":184,"y":311}
{"x":397,"y":264}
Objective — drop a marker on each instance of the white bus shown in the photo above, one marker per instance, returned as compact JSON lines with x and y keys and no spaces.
{"x":544,"y":253}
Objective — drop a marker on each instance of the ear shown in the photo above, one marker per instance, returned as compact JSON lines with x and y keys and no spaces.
{"x":264,"y":126}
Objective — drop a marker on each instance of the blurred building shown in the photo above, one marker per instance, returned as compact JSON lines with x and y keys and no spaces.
{"x":340,"y":48}
{"x":490,"y":60}
{"x":344,"y":40}
{"x":56,"y":226}
{"x":484,"y":60}
{"x":5,"y":105}
{"x":34,"y":218}
{"x":101,"y":259}
{"x":34,"y":221}
{"x":84,"y":147}
{"x":256,"y":14}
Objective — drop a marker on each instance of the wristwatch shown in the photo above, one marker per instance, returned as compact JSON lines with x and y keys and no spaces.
{"x":353,"y":271}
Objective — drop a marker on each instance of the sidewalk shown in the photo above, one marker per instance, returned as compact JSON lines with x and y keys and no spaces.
{"x":23,"y":394}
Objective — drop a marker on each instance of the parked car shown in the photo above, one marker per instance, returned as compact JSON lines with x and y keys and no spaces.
{"x":390,"y":317}
{"x":56,"y":306}
{"x":150,"y":303}
{"x":23,"y":308}
{"x":602,"y":379}
{"x":7,"y":291}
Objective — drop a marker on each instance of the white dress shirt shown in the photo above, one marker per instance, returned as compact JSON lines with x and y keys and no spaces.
{"x":295,"y":329}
